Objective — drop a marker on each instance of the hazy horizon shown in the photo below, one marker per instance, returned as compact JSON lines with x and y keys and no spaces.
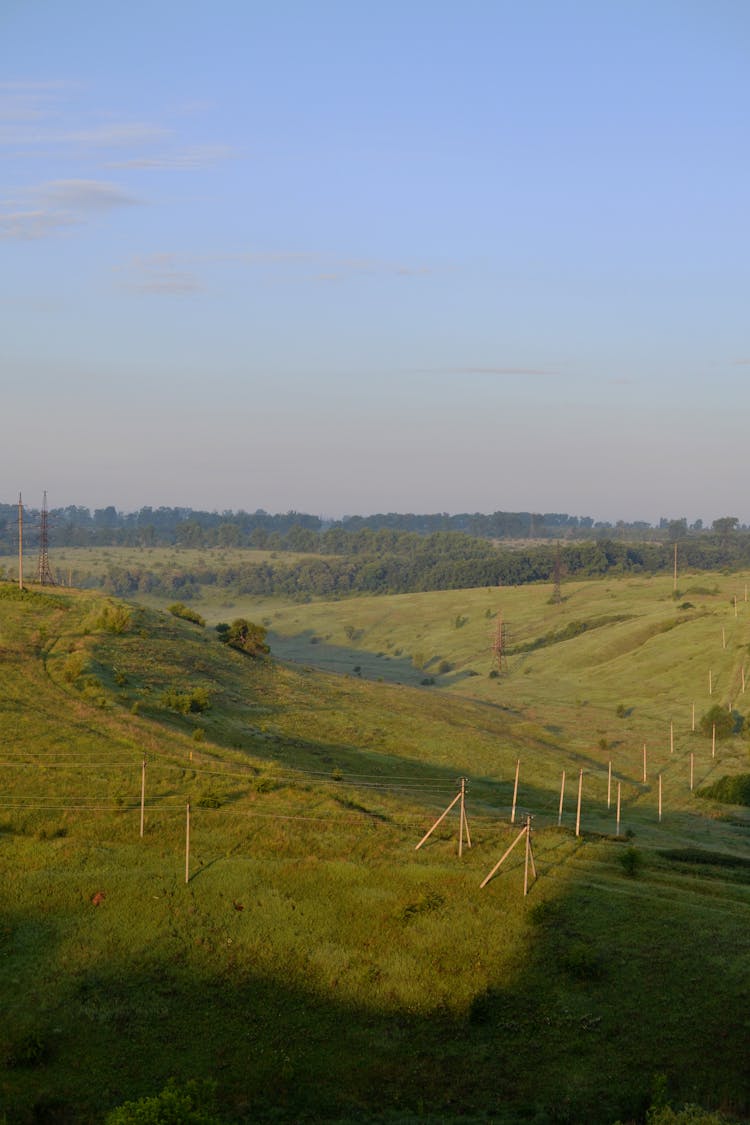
{"x":408,"y":257}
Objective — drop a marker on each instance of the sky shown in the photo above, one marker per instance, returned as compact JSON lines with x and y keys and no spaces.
{"x":345,"y":257}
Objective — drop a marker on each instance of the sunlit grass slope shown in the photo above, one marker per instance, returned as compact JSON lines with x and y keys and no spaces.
{"x":314,"y":964}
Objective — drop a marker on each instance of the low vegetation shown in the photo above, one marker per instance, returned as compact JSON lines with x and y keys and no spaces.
{"x":303,"y":962}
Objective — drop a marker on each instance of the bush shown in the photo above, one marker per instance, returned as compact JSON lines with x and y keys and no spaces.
{"x":191,"y":1104}
{"x":730,"y":790}
{"x":111,"y":618}
{"x":244,"y":635}
{"x":75,"y":664}
{"x":183,"y":611}
{"x":187,"y":702}
{"x":726,"y":722}
{"x":631,"y":862}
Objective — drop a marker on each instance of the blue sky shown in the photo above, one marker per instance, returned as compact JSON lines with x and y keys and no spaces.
{"x":353,"y":257}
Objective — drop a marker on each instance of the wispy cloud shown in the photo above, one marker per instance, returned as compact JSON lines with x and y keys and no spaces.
{"x":24,"y":226}
{"x":182,"y":160}
{"x":468,"y":370}
{"x":158,"y":274}
{"x":116,"y":134}
{"x":49,"y":208}
{"x":83,"y":195}
{"x":31,"y":101}
{"x":175,"y":272}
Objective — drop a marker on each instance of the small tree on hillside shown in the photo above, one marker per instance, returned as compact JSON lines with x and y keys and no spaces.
{"x":726,"y":722}
{"x":244,"y":635}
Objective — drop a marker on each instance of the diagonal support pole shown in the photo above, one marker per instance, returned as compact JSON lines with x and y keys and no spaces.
{"x":439,"y":820}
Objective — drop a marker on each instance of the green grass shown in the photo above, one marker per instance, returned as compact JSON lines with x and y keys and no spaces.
{"x":316,"y":965}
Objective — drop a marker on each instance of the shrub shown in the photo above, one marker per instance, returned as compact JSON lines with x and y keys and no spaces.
{"x":246,"y":636}
{"x":631,"y":861}
{"x":187,"y":702}
{"x":111,"y":618}
{"x":75,"y":664}
{"x":191,"y":1104}
{"x":178,"y":609}
{"x":730,"y":790}
{"x":726,"y":722}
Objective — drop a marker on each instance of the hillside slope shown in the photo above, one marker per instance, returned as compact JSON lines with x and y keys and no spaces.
{"x":314,"y":964}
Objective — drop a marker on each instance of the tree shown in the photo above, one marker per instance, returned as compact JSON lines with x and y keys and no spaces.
{"x":244,"y":635}
{"x":724,"y":528}
{"x":726,"y":723}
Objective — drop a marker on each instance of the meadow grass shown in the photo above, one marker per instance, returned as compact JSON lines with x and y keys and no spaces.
{"x":311,"y":938}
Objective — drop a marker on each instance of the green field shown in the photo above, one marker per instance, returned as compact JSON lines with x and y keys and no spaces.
{"x":314,"y":965}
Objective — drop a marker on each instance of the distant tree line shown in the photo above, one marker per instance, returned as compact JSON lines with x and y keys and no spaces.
{"x":407,"y":563}
{"x":75,"y":526}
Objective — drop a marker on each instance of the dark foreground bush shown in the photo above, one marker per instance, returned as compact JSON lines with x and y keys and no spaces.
{"x":730,"y":790}
{"x":191,"y":1104}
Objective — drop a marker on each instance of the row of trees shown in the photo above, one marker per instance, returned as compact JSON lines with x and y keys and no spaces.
{"x":295,"y":531}
{"x":411,"y":564}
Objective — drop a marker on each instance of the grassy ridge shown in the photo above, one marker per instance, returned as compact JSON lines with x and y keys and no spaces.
{"x":312,"y":939}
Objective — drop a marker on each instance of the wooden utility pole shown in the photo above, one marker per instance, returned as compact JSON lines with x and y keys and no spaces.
{"x":644,"y":764}
{"x":713,"y":740}
{"x":143,"y":793}
{"x":463,"y":821}
{"x":562,"y":796}
{"x":671,"y":737}
{"x":515,"y":793}
{"x":659,"y":798}
{"x":187,"y":844}
{"x":20,"y":542}
{"x":529,"y":860}
{"x":692,"y":769}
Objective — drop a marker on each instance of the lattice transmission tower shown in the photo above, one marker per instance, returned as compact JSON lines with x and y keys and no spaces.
{"x":44,"y":574}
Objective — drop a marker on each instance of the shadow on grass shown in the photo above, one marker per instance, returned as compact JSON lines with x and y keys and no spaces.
{"x":607,"y":996}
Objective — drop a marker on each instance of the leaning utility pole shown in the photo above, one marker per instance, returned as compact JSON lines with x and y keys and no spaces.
{"x":44,"y":574}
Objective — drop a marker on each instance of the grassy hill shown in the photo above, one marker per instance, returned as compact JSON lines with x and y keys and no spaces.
{"x":314,"y":964}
